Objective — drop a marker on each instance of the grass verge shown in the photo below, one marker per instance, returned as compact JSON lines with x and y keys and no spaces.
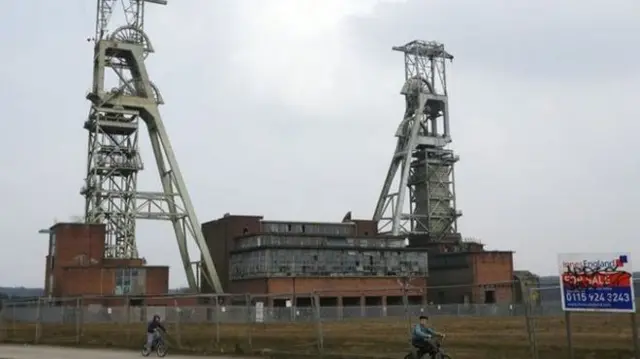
{"x":467,"y":337}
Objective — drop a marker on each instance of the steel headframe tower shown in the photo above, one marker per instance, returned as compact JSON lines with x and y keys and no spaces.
{"x":422,"y":201}
{"x":114,"y":157}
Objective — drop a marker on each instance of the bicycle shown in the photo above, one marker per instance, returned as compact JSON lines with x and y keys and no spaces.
{"x":159,"y":345}
{"x":439,"y":353}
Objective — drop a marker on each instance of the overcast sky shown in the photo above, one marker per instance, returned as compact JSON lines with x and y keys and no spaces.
{"x":289,"y":108}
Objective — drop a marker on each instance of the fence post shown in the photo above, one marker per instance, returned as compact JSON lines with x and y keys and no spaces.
{"x":79,"y":313}
{"x":531,"y":330}
{"x":13,"y":318}
{"x":634,"y":331}
{"x":127,"y":317}
{"x":217,"y":319}
{"x":318,"y":319}
{"x":38,"y":322}
{"x":3,"y":326}
{"x":249,"y":321}
{"x":176,"y":310}
{"x":405,"y":303}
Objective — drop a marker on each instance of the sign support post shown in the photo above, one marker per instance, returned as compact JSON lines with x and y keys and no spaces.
{"x":567,"y":323}
{"x":634,"y":332}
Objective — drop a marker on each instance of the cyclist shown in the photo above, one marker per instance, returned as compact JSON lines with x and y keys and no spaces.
{"x":152,"y":330}
{"x":423,"y":338}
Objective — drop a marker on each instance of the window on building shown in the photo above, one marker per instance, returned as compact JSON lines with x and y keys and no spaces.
{"x":490,"y":296}
{"x":125,"y":280}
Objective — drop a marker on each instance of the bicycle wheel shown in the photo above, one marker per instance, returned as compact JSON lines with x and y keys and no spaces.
{"x":145,"y":351}
{"x":161,"y":350}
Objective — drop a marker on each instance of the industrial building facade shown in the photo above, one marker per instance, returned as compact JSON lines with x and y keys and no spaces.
{"x":76,"y":266}
{"x":342,"y":263}
{"x":471,"y":277}
{"x":349,"y":263}
{"x":463,"y":271}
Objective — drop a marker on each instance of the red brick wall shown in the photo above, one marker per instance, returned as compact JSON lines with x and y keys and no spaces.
{"x":366,"y":228}
{"x":99,"y":280}
{"x":334,"y":287}
{"x":80,"y":269}
{"x":491,"y":268}
{"x":157,"y":280}
{"x":327,"y":286}
{"x":123,"y":262}
{"x":219,"y":236}
{"x":87,"y":281}
{"x":73,"y":240}
{"x":253,"y":286}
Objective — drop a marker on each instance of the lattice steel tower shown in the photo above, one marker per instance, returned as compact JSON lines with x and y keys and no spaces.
{"x":114,"y":160}
{"x":418,"y":196}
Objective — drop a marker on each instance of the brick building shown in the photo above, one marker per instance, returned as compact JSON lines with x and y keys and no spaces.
{"x":75,"y":266}
{"x":466,"y":272}
{"x":343,"y":263}
{"x":348,"y":262}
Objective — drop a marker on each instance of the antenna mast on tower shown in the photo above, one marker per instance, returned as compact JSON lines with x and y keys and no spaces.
{"x":422,"y":201}
{"x":122,"y":95}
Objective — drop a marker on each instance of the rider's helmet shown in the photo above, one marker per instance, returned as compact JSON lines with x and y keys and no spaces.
{"x":156,"y":317}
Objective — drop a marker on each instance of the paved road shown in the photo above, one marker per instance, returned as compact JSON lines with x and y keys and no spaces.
{"x":44,"y":352}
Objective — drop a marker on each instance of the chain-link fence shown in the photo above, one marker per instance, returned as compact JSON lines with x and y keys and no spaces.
{"x":369,"y":324}
{"x":577,"y":334}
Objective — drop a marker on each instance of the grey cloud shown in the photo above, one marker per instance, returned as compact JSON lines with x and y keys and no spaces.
{"x":543,"y":116}
{"x":576,"y":40}
{"x":547,"y":142}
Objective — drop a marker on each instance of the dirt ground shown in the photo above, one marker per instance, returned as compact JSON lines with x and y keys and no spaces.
{"x":467,"y":337}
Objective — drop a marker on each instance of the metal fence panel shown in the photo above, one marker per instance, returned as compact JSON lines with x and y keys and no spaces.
{"x":250,"y":321}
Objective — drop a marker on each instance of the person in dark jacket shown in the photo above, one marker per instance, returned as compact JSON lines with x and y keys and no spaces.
{"x":423,"y":337}
{"x":152,"y":330}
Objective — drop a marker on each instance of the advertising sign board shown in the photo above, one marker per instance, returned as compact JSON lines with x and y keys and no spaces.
{"x":596,"y":282}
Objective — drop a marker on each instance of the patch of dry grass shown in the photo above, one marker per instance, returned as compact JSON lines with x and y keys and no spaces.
{"x":467,"y":337}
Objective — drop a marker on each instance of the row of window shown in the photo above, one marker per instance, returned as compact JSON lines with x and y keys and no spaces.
{"x":328,"y":229}
{"x":274,"y":240}
{"x":324,"y":262}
